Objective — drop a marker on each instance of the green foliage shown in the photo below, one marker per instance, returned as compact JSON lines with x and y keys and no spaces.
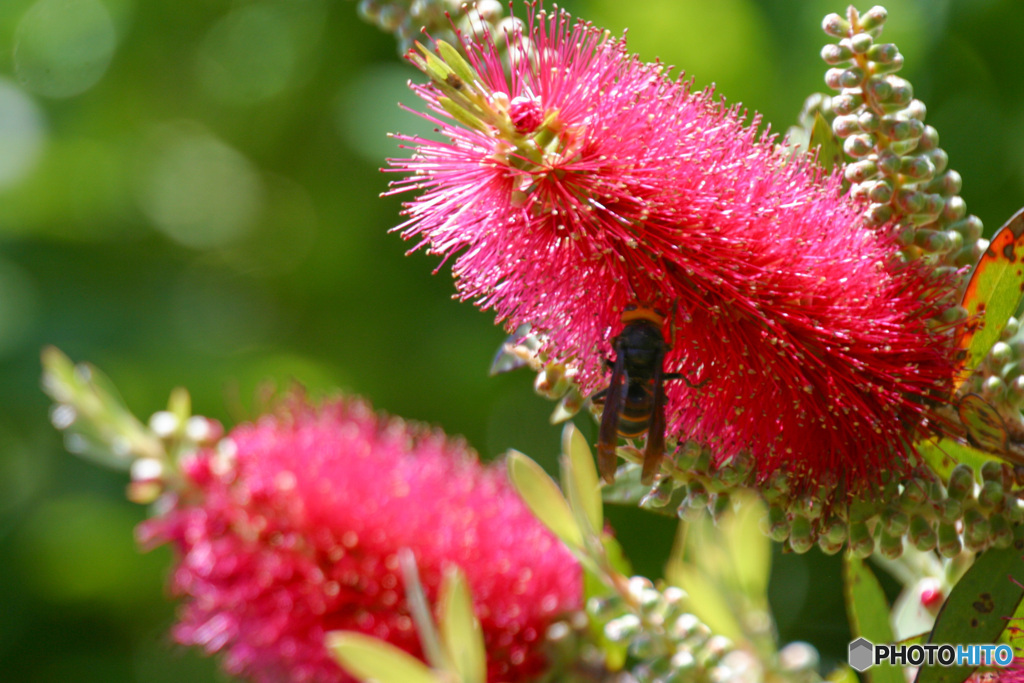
{"x":977,"y":609}
{"x":869,"y":615}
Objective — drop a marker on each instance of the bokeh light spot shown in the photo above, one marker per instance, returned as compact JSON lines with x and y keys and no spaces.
{"x":22,"y":133}
{"x":248,"y":56}
{"x":63,"y":47}
{"x":198,"y":190}
{"x":366,"y":111}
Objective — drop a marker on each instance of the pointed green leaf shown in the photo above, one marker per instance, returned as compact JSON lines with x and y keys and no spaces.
{"x":460,"y":630}
{"x":976,"y":610}
{"x":830,"y":150}
{"x":869,"y":615}
{"x":707,"y":602}
{"x":368,"y":658}
{"x":750,"y":549}
{"x":584,"y":475}
{"x":993,"y":292}
{"x":545,"y":500}
{"x":460,"y":66}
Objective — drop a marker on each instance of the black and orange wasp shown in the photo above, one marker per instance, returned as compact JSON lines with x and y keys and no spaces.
{"x":634,"y":401}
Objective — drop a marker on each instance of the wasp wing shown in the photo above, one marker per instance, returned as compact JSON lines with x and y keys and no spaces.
{"x":608,"y":434}
{"x":655,"y":447}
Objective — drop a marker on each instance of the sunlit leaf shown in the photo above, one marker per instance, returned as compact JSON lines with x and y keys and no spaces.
{"x":993,"y":293}
{"x":707,"y":602}
{"x":460,"y":630}
{"x":584,"y":475}
{"x":750,"y":549}
{"x":545,"y":500}
{"x":978,"y":608}
{"x":869,"y":615}
{"x":830,"y":150}
{"x":368,"y":658}
{"x":942,"y":455}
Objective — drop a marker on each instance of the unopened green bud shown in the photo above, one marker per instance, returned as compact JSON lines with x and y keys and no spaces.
{"x":687,"y":456}
{"x":883,"y":53}
{"x":976,"y":530}
{"x":845,"y":103}
{"x":915,"y":492}
{"x":834,"y":54}
{"x":777,"y":524}
{"x":1000,"y":532}
{"x":835,"y":26}
{"x":697,"y":495}
{"x":950,"y":510}
{"x":878,"y":214}
{"x":874,"y":19}
{"x":622,"y":629}
{"x":991,"y":494}
{"x":881,"y":191}
{"x":917,"y":167}
{"x":922,"y":533}
{"x":1015,"y":390}
{"x":801,"y":537}
{"x":659,"y":495}
{"x":1000,"y":354}
{"x":845,"y":126}
{"x":860,"y":43}
{"x":993,"y":470}
{"x":961,"y":482}
{"x":1010,"y":329}
{"x":896,"y":522}
{"x":858,"y":146}
{"x":993,"y":387}
{"x":880,"y":88}
{"x":949,"y":540}
{"x":861,"y":542}
{"x":890,"y":546}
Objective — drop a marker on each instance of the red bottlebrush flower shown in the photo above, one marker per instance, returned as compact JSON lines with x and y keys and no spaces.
{"x":581,"y":180}
{"x":293,"y":530}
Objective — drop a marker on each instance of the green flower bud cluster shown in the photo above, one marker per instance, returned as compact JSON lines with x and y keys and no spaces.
{"x":671,"y":644}
{"x":917,"y":510}
{"x":97,"y":425}
{"x":408,"y":19}
{"x":897,"y":164}
{"x":999,"y":379}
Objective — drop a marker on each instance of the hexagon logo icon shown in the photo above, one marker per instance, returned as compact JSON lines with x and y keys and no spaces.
{"x":861,"y":654}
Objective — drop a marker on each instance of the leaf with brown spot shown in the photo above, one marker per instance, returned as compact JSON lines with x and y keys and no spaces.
{"x":979,"y":608}
{"x":992,"y":294}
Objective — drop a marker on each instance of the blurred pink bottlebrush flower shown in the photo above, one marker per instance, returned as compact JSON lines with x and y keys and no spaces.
{"x":581,"y":180}
{"x":291,"y":529}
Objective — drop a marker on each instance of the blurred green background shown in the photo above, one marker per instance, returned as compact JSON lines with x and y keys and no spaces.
{"x":189,"y":196}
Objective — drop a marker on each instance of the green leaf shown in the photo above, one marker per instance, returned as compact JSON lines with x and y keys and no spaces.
{"x":368,"y":658}
{"x":993,"y":293}
{"x":584,"y":475}
{"x":978,"y":608}
{"x":460,"y":66}
{"x":869,"y":615}
{"x":707,"y":602}
{"x":944,"y":454}
{"x":545,"y":500}
{"x":750,"y":549}
{"x":830,"y":148}
{"x":460,"y":629}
